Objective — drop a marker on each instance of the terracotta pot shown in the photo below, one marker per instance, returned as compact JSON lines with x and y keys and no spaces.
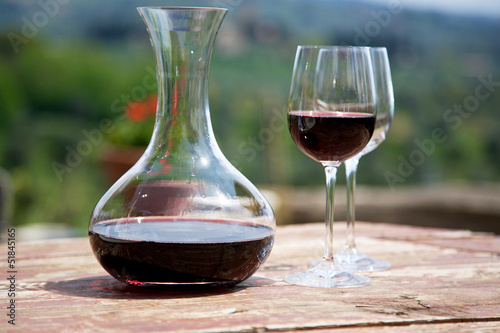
{"x":116,"y":160}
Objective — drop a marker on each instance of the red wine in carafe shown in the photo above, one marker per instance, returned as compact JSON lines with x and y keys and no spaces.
{"x":180,"y":251}
{"x":330,"y":136}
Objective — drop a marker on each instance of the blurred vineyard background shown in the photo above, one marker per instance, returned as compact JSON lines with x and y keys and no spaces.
{"x":69,"y":68}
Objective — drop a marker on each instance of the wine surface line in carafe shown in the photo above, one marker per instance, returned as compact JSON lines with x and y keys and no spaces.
{"x":182,"y":215}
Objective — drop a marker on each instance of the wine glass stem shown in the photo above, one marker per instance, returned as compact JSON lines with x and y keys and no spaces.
{"x":351,"y":167}
{"x":331,"y":177}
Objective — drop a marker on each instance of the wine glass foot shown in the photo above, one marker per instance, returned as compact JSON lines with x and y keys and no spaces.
{"x":327,"y":274}
{"x":354,"y":261}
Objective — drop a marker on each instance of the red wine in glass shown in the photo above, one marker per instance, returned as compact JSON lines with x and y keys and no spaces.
{"x":163,"y":251}
{"x":331,"y":135}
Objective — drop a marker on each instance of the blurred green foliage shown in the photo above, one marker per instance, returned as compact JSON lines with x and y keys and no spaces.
{"x":54,"y":92}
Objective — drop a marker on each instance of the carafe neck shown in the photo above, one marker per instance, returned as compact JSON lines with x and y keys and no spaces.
{"x":182,"y":40}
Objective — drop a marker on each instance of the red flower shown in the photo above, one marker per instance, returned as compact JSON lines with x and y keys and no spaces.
{"x":152,"y":101}
{"x":140,"y":110}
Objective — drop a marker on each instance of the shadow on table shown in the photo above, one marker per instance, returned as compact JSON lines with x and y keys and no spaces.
{"x":108,"y":287}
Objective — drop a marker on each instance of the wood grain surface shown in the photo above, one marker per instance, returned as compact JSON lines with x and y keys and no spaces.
{"x":441,"y":281}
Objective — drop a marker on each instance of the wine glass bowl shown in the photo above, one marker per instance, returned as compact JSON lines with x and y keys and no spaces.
{"x":331,"y":118}
{"x":330,"y":136}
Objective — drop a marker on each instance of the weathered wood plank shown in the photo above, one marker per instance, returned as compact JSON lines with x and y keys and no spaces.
{"x":440,"y":280}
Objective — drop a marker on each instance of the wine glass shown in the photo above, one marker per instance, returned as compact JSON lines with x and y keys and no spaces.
{"x":350,"y":258}
{"x":331,"y":118}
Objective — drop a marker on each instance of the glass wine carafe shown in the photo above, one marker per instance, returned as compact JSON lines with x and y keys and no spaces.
{"x":182,"y":215}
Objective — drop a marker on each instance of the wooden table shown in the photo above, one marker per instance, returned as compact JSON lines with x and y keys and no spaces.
{"x":441,"y":281}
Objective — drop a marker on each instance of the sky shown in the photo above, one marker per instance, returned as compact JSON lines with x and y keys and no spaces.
{"x":482,"y":7}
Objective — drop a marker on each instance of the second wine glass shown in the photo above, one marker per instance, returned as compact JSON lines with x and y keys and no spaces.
{"x":350,"y":258}
{"x":331,"y":118}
